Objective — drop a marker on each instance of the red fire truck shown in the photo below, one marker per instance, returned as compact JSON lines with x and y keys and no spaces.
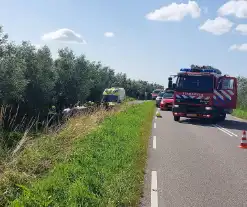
{"x":204,"y":93}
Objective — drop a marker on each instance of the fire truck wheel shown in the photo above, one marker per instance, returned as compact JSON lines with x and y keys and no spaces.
{"x":222,"y":117}
{"x":214,"y":120}
{"x":176,"y":118}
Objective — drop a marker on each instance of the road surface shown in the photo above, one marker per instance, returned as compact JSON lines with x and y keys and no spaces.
{"x":193,"y":164}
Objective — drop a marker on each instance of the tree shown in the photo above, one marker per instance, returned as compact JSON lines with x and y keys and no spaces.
{"x":12,"y":80}
{"x":31,"y":82}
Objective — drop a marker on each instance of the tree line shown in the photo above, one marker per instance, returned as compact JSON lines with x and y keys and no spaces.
{"x":31,"y":81}
{"x":242,"y":92}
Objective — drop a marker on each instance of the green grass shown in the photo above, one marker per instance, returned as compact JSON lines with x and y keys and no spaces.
{"x":241,"y":113}
{"x":41,"y":153}
{"x":106,"y":167}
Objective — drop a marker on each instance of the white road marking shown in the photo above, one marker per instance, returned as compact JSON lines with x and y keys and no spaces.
{"x":155,"y":125}
{"x":156,"y":117}
{"x":228,"y":132}
{"x":154,"y":190}
{"x":222,"y":130}
{"x":154,"y":142}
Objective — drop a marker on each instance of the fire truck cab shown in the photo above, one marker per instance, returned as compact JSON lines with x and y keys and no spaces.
{"x":204,"y":93}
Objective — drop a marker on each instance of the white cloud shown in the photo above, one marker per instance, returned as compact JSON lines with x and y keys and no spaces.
{"x":109,"y":34}
{"x":241,"y":48}
{"x":233,"y":7}
{"x":242,"y":28}
{"x":217,"y":26}
{"x":175,"y":12}
{"x":64,"y":35}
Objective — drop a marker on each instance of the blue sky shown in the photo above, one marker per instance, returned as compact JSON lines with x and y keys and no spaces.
{"x":142,"y":48}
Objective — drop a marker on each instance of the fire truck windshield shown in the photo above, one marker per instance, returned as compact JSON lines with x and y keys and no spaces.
{"x":194,"y":83}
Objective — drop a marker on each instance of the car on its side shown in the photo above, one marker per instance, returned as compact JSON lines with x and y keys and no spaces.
{"x":155,"y":93}
{"x":158,"y":98}
{"x":167,"y":100}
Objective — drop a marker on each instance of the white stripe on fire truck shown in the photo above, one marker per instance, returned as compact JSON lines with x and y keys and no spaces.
{"x":200,"y":97}
{"x":178,"y":96}
{"x":231,"y":92}
{"x":184,"y":96}
{"x":219,"y":95}
{"x":226,"y":95}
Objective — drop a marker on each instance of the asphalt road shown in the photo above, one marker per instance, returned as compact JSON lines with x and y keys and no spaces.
{"x":196,"y":164}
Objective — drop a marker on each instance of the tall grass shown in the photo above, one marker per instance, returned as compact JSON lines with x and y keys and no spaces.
{"x":105,"y":168}
{"x":43,"y":151}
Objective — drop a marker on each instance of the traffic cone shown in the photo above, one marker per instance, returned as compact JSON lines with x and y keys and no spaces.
{"x":243,"y":143}
{"x":158,"y":114}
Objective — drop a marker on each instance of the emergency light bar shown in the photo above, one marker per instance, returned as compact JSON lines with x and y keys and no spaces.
{"x":200,"y":70}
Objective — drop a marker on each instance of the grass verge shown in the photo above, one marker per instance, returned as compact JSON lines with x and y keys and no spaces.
{"x":129,"y":99}
{"x":106,"y":167}
{"x":240,"y":113}
{"x":42,"y":152}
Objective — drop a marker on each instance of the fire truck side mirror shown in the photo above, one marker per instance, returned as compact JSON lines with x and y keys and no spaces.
{"x":170,"y":82}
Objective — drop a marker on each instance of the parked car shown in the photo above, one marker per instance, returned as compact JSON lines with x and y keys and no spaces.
{"x":158,"y":98}
{"x":167,"y":101}
{"x":155,"y":93}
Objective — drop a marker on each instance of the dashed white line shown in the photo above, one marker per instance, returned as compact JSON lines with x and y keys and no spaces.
{"x":155,"y":125}
{"x":154,"y":142}
{"x":154,"y":190}
{"x":226,"y":131}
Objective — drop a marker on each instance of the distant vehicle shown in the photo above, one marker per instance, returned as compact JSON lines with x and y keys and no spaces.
{"x":155,"y":93}
{"x":167,"y":100}
{"x":159,"y":97}
{"x":113,"y":95}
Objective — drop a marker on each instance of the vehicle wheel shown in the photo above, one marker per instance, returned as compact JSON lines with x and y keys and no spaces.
{"x":176,"y":118}
{"x":222,"y":117}
{"x":214,"y":120}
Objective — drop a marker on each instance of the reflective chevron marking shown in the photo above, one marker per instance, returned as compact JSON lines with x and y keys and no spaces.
{"x":218,"y":95}
{"x":226,"y":95}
